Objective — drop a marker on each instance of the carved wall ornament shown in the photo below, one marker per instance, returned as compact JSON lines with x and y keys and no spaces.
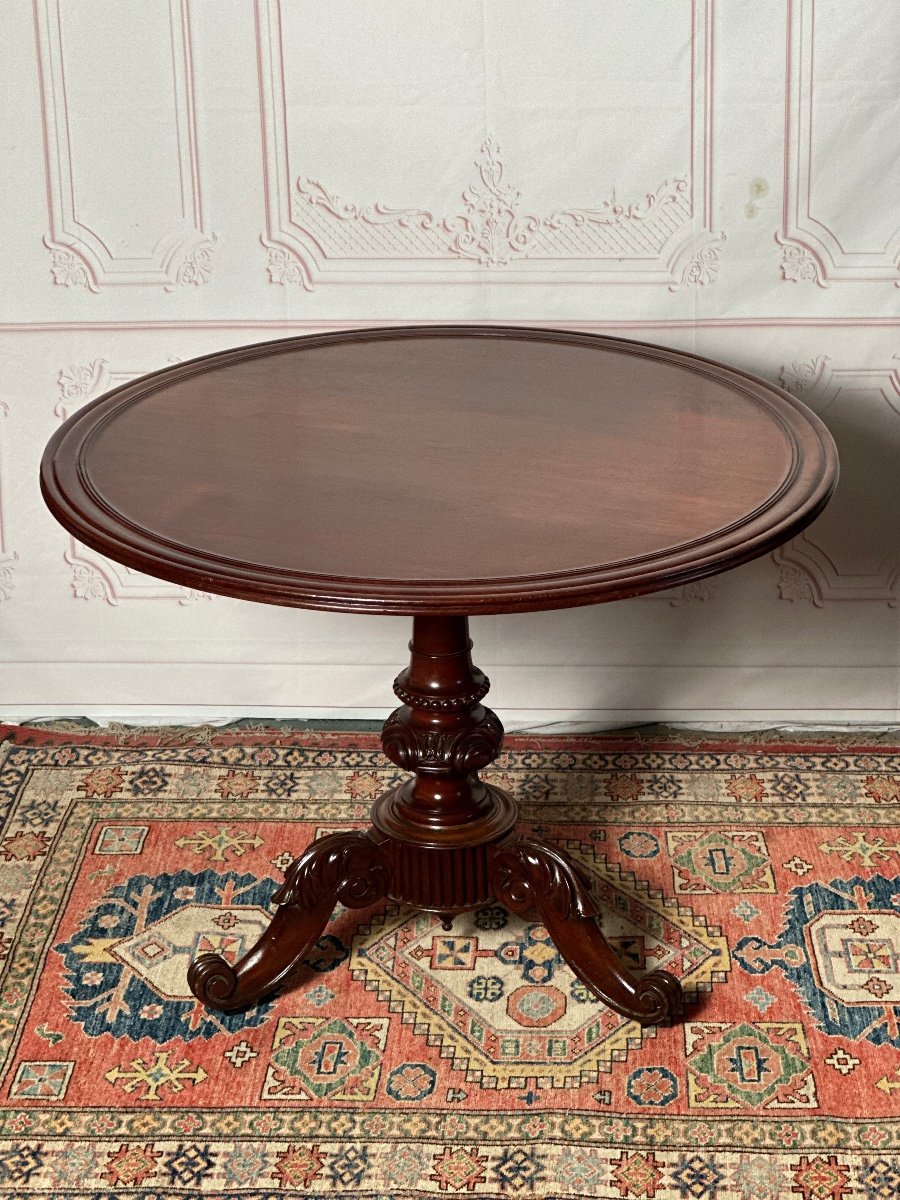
{"x":703,"y":267}
{"x":197,"y":266}
{"x":315,"y":235}
{"x":800,"y":377}
{"x":8,"y":564}
{"x":87,"y":582}
{"x":696,"y":592}
{"x":194,"y":596}
{"x":795,"y":584}
{"x":283,"y":267}
{"x":86,"y":251}
{"x":95,"y":577}
{"x":851,"y":551}
{"x":798,"y":263}
{"x":815,"y":247}
{"x":492,"y":230}
{"x":75,"y":383}
{"x":80,"y":382}
{"x":67,"y":269}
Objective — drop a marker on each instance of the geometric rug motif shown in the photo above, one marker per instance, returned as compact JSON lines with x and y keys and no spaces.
{"x":840,"y":948}
{"x":407,"y":1060}
{"x":496,"y":999}
{"x":126,"y":964}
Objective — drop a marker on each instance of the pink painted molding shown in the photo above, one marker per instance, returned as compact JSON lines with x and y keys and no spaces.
{"x":862,"y":406}
{"x":95,"y":577}
{"x":8,"y":559}
{"x":811,"y":250}
{"x":313,"y":235}
{"x":80,"y":257}
{"x":301,"y":325}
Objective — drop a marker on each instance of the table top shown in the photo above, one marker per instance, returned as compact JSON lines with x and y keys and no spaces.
{"x":439,"y":469}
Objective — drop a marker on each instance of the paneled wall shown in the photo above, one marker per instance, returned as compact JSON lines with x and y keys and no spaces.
{"x":186,"y":175}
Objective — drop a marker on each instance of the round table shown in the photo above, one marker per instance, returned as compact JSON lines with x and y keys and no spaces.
{"x":439,"y":472}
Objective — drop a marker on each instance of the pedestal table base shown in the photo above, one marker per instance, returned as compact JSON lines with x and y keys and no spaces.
{"x":442,"y":841}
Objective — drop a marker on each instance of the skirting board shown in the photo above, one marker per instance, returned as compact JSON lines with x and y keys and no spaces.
{"x":513,"y":722}
{"x":554,"y":696}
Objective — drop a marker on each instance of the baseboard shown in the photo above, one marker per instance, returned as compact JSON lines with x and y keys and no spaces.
{"x":560,"y":697}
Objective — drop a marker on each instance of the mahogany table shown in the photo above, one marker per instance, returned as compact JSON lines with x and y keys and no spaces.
{"x":439,"y":472}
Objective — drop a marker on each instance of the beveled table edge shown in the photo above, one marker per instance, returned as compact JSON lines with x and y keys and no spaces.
{"x":806,"y":489}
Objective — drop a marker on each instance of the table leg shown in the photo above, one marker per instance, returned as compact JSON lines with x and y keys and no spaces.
{"x":345,"y":867}
{"x":443,"y":841}
{"x":529,"y":876}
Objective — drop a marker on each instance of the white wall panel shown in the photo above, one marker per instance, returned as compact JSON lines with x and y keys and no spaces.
{"x":853,"y":551}
{"x":643,"y":218}
{"x":717,"y":177}
{"x":8,"y":556}
{"x":123,"y":179}
{"x":842,"y":160}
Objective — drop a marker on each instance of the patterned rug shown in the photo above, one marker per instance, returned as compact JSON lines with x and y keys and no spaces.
{"x":408,"y":1061}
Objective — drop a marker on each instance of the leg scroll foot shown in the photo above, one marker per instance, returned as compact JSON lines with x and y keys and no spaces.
{"x":529,"y":876}
{"x":345,"y":867}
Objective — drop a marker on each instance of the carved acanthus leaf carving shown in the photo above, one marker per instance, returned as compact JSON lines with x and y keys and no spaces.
{"x":89,"y":584}
{"x":75,"y":383}
{"x":316,"y":193}
{"x":800,"y":377}
{"x":529,"y":876}
{"x":798,"y":264}
{"x":7,"y":572}
{"x":284,"y":267}
{"x":461,"y":751}
{"x":703,"y":267}
{"x":699,"y":591}
{"x":197,"y":266}
{"x":67,"y":268}
{"x":490,"y":229}
{"x":348,"y":867}
{"x":795,"y":584}
{"x":612,"y":213}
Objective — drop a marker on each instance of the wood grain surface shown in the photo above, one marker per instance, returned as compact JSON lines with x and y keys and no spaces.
{"x":454,"y":470}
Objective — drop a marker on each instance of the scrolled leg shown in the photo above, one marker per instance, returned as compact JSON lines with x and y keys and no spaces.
{"x":528,"y":876}
{"x":344,"y":867}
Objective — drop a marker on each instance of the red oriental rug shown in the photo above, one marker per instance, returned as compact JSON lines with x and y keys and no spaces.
{"x":409,"y":1061}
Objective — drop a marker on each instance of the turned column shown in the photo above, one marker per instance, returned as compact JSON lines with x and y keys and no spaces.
{"x":438,"y":827}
